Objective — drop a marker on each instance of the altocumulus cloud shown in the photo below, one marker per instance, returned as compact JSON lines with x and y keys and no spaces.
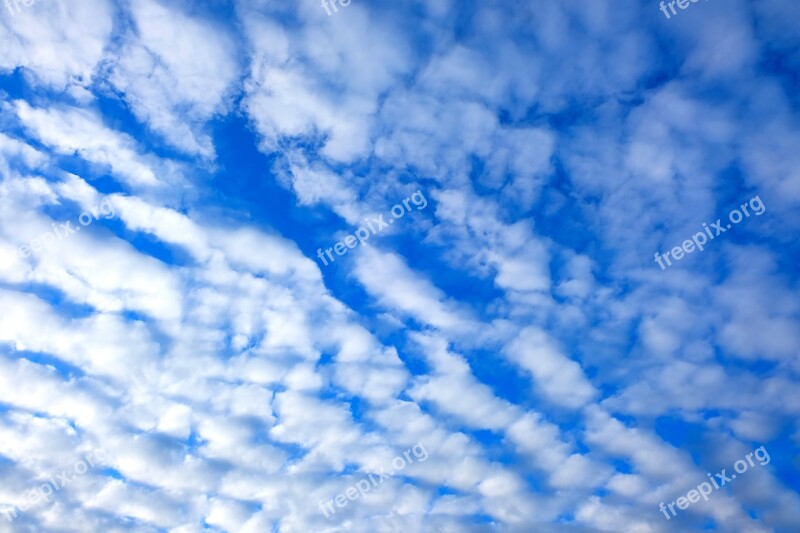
{"x":559,"y":379}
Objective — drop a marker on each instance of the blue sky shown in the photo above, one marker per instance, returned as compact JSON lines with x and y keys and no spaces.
{"x":194,"y":160}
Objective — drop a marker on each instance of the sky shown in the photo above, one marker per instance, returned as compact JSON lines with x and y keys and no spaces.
{"x":414,"y":266}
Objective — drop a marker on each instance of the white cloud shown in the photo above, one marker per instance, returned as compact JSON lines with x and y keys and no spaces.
{"x":175,"y":77}
{"x":60,"y":43}
{"x":556,"y":377}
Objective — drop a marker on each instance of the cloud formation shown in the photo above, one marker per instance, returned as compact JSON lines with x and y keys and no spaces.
{"x":517,"y":327}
